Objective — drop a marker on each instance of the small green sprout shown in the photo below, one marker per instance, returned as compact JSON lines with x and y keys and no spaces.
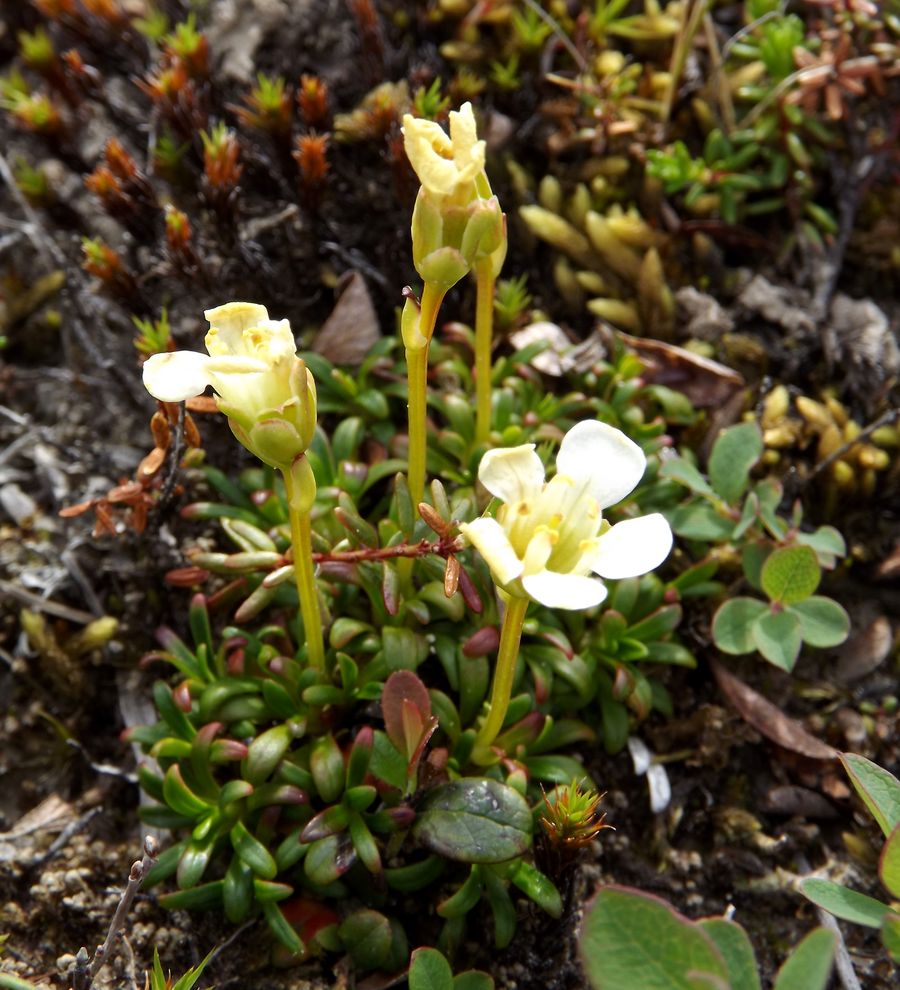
{"x":505,"y":75}
{"x":429,"y":103}
{"x":511,"y":301}
{"x":36,"y":49}
{"x":32,"y":183}
{"x":530,"y":28}
{"x":154,"y":336}
{"x":154,"y":25}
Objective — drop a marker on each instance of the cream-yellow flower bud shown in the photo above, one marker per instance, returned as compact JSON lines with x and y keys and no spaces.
{"x":262,"y":386}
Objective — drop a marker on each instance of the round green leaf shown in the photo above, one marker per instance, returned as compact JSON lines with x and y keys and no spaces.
{"x":732,"y":626}
{"x":429,"y":970}
{"x":777,"y":637}
{"x":791,"y":574}
{"x":889,"y":864}
{"x":631,"y":939}
{"x":843,"y":902}
{"x":733,"y":455}
{"x":367,"y":936}
{"x":475,"y":820}
{"x":732,"y":941}
{"x":823,"y":622}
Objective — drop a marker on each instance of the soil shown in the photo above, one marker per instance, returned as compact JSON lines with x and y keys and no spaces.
{"x":746,"y":816}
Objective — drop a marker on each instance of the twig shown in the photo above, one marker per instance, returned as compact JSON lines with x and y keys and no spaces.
{"x":177,"y":447}
{"x":883,"y":420}
{"x":139,"y":869}
{"x":44,"y":604}
{"x":73,"y":828}
{"x":560,"y":35}
{"x":842,"y":961}
{"x":442,"y":548}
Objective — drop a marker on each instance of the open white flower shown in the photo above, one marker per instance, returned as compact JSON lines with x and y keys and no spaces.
{"x":446,"y":165}
{"x":550,"y":537}
{"x":262,"y":386}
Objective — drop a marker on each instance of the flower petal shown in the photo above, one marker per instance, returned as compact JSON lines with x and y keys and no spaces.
{"x":468,"y":151}
{"x":227,"y":325}
{"x":602,"y":458}
{"x":571,"y":591}
{"x":490,"y":540}
{"x":513,"y":474}
{"x":176,"y":375}
{"x":632,"y":547}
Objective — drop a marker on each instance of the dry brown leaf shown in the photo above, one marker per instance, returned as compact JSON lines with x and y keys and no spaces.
{"x":351,"y":329}
{"x":768,"y":719}
{"x":708,"y":384}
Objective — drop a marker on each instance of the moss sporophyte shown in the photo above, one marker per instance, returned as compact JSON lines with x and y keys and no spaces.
{"x":269,"y":397}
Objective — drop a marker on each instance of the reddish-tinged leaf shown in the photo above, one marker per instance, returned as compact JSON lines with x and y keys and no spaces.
{"x":768,"y":719}
{"x":403,"y":686}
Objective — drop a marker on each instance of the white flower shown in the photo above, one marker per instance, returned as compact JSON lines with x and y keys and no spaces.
{"x":265,"y":390}
{"x":445,"y":165}
{"x":548,"y":538}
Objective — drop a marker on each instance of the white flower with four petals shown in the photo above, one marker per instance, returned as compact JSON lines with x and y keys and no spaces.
{"x":549,"y":538}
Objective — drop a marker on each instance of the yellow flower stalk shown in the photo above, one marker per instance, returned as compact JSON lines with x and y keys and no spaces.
{"x":269,"y":397}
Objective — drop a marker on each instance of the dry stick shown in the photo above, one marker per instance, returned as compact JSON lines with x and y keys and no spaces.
{"x":139,"y":869}
{"x":883,"y":420}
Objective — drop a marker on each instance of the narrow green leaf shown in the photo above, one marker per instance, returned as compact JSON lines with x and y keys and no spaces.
{"x":843,"y":902}
{"x":732,"y":626}
{"x":889,"y":864}
{"x":732,"y":942}
{"x":777,"y":637}
{"x":252,"y":852}
{"x":890,"y":935}
{"x":733,"y":455}
{"x":879,"y":789}
{"x":281,"y":928}
{"x":791,"y":574}
{"x":809,"y":965}
{"x":681,"y":470}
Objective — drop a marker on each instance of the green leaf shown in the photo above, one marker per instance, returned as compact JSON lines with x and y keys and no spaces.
{"x":538,"y":887}
{"x":879,"y":789}
{"x":265,"y":753}
{"x":732,"y":626}
{"x":252,"y":852}
{"x":823,"y":622}
{"x":889,"y":863}
{"x":281,"y":928}
{"x":193,"y":974}
{"x":473,"y":979}
{"x":890,"y":935}
{"x":809,"y":965}
{"x":700,"y":521}
{"x":429,"y":970}
{"x":826,"y":541}
{"x":681,"y":470}
{"x":475,"y":820}
{"x":732,"y":942}
{"x":367,"y":936}
{"x":631,"y":939}
{"x":791,"y":574}
{"x":843,"y":902}
{"x":777,"y":637}
{"x":179,"y":797}
{"x":733,"y":455}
